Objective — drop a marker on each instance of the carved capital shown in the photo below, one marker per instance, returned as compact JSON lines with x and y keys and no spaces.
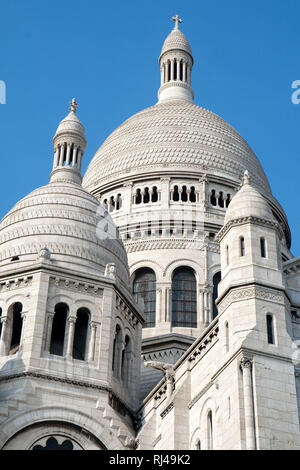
{"x":245,"y":363}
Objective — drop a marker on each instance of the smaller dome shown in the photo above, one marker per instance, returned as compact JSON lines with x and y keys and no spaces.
{"x":248,"y":202}
{"x":176,"y":41}
{"x":71,"y":123}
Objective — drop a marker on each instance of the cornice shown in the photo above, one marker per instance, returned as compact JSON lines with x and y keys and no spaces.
{"x":247,"y":220}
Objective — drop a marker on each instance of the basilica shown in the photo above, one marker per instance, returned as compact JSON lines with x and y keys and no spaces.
{"x":154,"y":303}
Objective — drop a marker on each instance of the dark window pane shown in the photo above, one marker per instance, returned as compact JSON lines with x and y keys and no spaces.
{"x":184,"y":304}
{"x":144,"y":287}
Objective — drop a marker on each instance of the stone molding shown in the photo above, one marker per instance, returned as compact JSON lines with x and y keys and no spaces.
{"x":126,"y":311}
{"x":205,"y":345}
{"x":77,"y":383}
{"x":167,"y":410}
{"x":200,"y":394}
{"x":156,"y":441}
{"x":17,"y":283}
{"x":76,"y":286}
{"x":250,"y":292}
{"x":246,"y":220}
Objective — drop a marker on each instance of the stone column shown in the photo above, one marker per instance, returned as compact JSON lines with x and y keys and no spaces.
{"x":246,"y":366}
{"x":3,"y":339}
{"x":203,"y":195}
{"x":61,"y":154}
{"x":79,"y":158}
{"x":178,"y":69}
{"x":56,"y":157}
{"x":201,"y":313}
{"x":172,"y":68}
{"x":184,"y":71}
{"x":70,"y":336}
{"x":158,"y":315}
{"x":49,"y":331}
{"x":210,"y":304}
{"x":91,"y":352}
{"x":68,"y":154}
{"x":206,"y":306}
{"x":168,"y":304}
{"x":75,"y":150}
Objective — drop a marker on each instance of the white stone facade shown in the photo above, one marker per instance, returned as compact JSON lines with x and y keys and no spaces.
{"x":172,"y":251}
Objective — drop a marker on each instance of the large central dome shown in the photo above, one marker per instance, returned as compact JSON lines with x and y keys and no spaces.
{"x":178,"y":135}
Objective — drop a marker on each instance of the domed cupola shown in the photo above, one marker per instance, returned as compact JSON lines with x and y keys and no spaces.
{"x":62,"y":221}
{"x":69,"y":144}
{"x":176,"y":62}
{"x":248,"y":202}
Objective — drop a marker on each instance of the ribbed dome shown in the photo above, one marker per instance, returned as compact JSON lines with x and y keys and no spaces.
{"x":176,"y":41}
{"x":63,"y":218}
{"x":248,"y":202}
{"x":175,"y":135}
{"x":71,"y":123}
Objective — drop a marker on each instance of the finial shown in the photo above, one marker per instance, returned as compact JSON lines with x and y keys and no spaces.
{"x":246,"y":179}
{"x":73,"y":106}
{"x":177,"y":20}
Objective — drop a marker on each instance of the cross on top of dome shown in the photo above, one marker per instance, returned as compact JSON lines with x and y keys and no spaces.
{"x":177,"y":20}
{"x":73,"y":106}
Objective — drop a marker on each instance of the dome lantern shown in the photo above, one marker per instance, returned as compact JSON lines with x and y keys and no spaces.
{"x":69,"y":144}
{"x":176,"y":62}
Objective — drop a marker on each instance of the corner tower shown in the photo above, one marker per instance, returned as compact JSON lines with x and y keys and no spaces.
{"x":255,"y":320}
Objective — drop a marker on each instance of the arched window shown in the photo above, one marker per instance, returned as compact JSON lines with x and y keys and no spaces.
{"x":119,"y":202}
{"x":138,"y":198}
{"x":193,"y":194}
{"x":80,"y":333}
{"x":175,"y":194}
{"x":17,"y":323}
{"x":184,"y":298}
{"x":175,"y":69}
{"x":117,"y":348}
{"x":216,"y":280}
{"x":58,"y":329}
{"x":209,"y":431}
{"x":270,"y":329}
{"x":228,"y":199}
{"x":184,"y":196}
{"x":242,"y":246}
{"x":144,"y":287}
{"x":221,"y":200}
{"x":213,"y":199}
{"x":146,"y":197}
{"x":263,"y":247}
{"x":154,"y":195}
{"x":112,"y":204}
{"x":126,"y":359}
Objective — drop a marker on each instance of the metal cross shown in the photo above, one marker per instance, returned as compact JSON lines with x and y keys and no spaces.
{"x":177,"y":20}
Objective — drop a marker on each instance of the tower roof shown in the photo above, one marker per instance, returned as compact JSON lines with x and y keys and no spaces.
{"x":62,"y":219}
{"x":176,"y":41}
{"x":71,"y":123}
{"x":248,"y":202}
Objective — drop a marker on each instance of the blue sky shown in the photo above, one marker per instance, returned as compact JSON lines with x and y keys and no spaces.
{"x":105,"y":54}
